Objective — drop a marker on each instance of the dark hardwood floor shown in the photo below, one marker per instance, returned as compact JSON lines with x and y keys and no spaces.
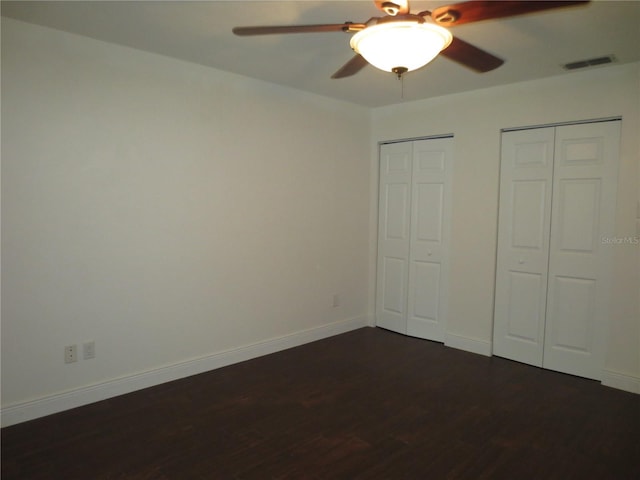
{"x":368,"y":404}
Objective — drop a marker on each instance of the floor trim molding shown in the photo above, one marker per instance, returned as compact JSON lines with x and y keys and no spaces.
{"x":48,"y":405}
{"x":473,"y":345}
{"x":621,"y":381}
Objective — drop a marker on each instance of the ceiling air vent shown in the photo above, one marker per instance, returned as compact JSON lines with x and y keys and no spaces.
{"x":592,"y":62}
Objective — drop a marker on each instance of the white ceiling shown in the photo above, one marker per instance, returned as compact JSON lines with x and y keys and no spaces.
{"x":534,"y":46}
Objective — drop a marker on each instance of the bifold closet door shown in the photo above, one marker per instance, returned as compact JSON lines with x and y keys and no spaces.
{"x":523,"y":244}
{"x":557,"y":201}
{"x":394,"y":219}
{"x":413,"y":237}
{"x":583,"y":212}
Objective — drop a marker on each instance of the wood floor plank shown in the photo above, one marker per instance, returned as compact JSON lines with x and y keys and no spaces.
{"x":368,"y":404}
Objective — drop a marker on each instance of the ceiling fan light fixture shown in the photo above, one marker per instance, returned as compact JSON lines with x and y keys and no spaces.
{"x":400,"y":44}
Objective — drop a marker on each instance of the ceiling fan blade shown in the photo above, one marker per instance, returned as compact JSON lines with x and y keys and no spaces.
{"x":393,"y":7}
{"x":477,"y":10}
{"x":352,"y":67}
{"x":269,"y":30}
{"x":471,"y":56}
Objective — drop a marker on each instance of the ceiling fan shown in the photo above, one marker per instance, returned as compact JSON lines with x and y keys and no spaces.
{"x":401,"y":41}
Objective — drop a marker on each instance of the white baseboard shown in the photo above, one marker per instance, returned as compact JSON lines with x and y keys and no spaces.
{"x":30,"y":410}
{"x":621,"y":381}
{"x":473,"y":345}
{"x":371,"y":320}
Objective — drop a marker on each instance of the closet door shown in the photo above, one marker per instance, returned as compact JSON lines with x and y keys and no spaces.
{"x":413,"y":237}
{"x":585,"y":179}
{"x":394,"y":219}
{"x":429,"y":238}
{"x":557,"y":203}
{"x":523,"y":244}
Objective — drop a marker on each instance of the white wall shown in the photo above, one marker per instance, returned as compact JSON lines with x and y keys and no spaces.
{"x":168,"y":212}
{"x":179,"y":216}
{"x":476,"y":118}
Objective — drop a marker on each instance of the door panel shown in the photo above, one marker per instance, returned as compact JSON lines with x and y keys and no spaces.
{"x":523,"y":244}
{"x":393,"y":236}
{"x":391,"y":311}
{"x":585,"y":178}
{"x":426,"y":287}
{"x":525,"y":291}
{"x":429,"y":238}
{"x":528,"y":214}
{"x":396,"y":211}
{"x":578,"y":222}
{"x":574,"y":305}
{"x":429,"y":204}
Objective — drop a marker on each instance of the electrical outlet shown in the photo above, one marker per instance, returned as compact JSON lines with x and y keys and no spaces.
{"x":70,"y":353}
{"x":89,"y":350}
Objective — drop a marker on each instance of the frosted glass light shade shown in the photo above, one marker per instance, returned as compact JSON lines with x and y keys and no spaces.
{"x":400,"y":44}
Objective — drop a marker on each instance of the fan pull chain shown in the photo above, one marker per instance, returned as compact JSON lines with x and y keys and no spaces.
{"x":400,"y":71}
{"x":401,"y":80}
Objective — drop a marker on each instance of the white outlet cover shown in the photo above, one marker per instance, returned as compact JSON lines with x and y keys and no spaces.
{"x":70,"y":354}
